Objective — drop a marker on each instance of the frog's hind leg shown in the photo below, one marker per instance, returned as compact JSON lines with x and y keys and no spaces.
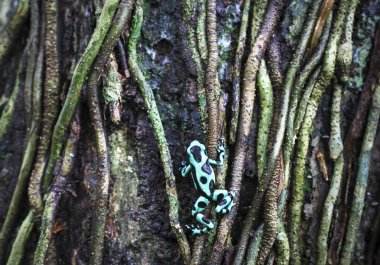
{"x":225,"y":201}
{"x":199,"y":206}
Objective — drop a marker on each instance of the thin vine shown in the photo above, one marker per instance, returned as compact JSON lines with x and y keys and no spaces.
{"x":326,"y":75}
{"x":79,"y":75}
{"x":192,"y":42}
{"x":100,"y":211}
{"x":336,"y":153}
{"x":362,"y":178}
{"x":248,"y":95}
{"x":10,"y":33}
{"x":29,"y":153}
{"x":9,"y":108}
{"x":154,"y":116}
{"x":237,"y":69}
{"x":55,"y":193}
{"x":212,"y":79}
{"x":50,"y":106}
{"x":275,"y":150}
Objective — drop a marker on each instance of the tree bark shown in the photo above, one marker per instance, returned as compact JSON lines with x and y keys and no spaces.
{"x":99,"y":101}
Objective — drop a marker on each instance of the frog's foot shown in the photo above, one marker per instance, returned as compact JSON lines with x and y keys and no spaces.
{"x":220,"y":148}
{"x":184,"y":168}
{"x":228,"y":208}
{"x":225,"y":205}
{"x":196,"y":231}
{"x":220,"y":145}
{"x":204,"y":220}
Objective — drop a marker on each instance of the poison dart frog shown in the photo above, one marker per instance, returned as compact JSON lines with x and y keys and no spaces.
{"x":204,"y":181}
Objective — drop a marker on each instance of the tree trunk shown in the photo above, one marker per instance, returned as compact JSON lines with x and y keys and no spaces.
{"x":101,"y":98}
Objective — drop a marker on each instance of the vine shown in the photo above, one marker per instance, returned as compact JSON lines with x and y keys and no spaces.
{"x":336,"y":149}
{"x":362,"y":177}
{"x":248,"y":94}
{"x":212,"y":80}
{"x":290,"y":78}
{"x":278,"y":138}
{"x":187,"y":4}
{"x":50,"y":106}
{"x":29,"y":153}
{"x":201,"y":31}
{"x":58,"y":188}
{"x":326,"y":74}
{"x":296,"y":112}
{"x":9,"y":108}
{"x":72,"y":97}
{"x":102,"y":190}
{"x":266,"y":111}
{"x":13,"y":27}
{"x":237,"y":69}
{"x":159,"y":133}
{"x":320,"y":25}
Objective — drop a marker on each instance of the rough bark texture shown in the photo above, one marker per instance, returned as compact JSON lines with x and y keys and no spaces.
{"x":123,"y":159}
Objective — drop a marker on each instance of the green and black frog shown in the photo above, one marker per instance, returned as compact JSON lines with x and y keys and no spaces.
{"x":204,"y":180}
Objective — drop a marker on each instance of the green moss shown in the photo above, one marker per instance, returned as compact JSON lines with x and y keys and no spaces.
{"x":79,"y":75}
{"x":293,"y":22}
{"x":241,"y":44}
{"x":282,"y":246}
{"x":159,"y":133}
{"x":9,"y":108}
{"x":266,"y":111}
{"x":298,"y":104}
{"x":112,"y":86}
{"x":201,"y":31}
{"x":9,"y":34}
{"x":365,"y":26}
{"x":362,"y":178}
{"x":196,"y":55}
{"x":226,"y":27}
{"x":254,"y":246}
{"x":328,"y":208}
{"x":19,"y":244}
{"x":303,"y":140}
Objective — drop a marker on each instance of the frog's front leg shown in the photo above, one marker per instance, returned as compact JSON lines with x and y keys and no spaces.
{"x":199,"y":206}
{"x":221,"y":152}
{"x":225,"y":201}
{"x":185,"y":169}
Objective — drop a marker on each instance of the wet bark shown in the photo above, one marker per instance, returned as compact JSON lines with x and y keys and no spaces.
{"x":120,"y":181}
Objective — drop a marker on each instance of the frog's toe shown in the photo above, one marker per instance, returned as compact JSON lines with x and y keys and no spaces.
{"x":229,"y":207}
{"x":220,"y":149}
{"x":223,"y":211}
{"x":220,"y":145}
{"x":191,"y":227}
{"x":196,"y":231}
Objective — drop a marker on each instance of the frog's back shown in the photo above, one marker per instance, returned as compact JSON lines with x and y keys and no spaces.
{"x":202,"y":173}
{"x":205,"y":178}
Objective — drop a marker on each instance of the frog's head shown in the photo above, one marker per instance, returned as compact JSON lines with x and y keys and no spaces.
{"x":197,"y":151}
